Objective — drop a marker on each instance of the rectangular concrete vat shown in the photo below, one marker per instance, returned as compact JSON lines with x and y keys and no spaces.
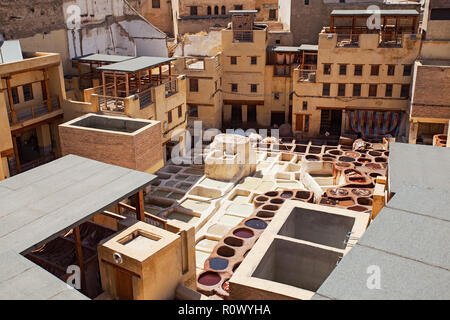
{"x":297,"y":264}
{"x":297,"y":252}
{"x":318,"y":227}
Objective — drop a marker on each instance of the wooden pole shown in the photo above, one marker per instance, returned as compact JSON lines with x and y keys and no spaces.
{"x":115,"y":85}
{"x":79,"y":252}
{"x":16,"y":154}
{"x":160,"y":74}
{"x":140,"y":210}
{"x":104,"y":89}
{"x":127,"y":85}
{"x":49,"y":99}
{"x":11,"y":101}
{"x":139,"y":81}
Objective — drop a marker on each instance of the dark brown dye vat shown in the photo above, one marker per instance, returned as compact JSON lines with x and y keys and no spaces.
{"x":209,"y":279}
{"x":277,"y":201}
{"x":346,"y":159}
{"x":358,"y":208}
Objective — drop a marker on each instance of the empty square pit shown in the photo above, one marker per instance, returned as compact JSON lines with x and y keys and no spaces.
{"x":318,"y":227}
{"x":110,"y":124}
{"x":296,"y":264}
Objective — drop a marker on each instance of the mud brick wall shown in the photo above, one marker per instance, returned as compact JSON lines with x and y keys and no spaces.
{"x":25,"y":18}
{"x":431,"y":93}
{"x":138,"y":152}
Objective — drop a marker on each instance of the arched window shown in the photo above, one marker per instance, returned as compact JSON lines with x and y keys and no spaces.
{"x":224,"y":10}
{"x":209,"y":11}
{"x":216,"y":10}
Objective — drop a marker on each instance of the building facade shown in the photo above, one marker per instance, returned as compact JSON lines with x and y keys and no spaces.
{"x":362,"y":82}
{"x":31,"y":94}
{"x":194,"y":16}
{"x":203,"y":89}
{"x":306,"y":18}
{"x":139,"y":88}
{"x":429,"y":107}
{"x":74,"y":28}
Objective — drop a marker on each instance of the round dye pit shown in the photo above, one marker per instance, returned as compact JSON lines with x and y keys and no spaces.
{"x":365,"y":201}
{"x":244,"y":233}
{"x":327,"y":201}
{"x":338,"y":192}
{"x":312,"y":158}
{"x":270,"y":207}
{"x":361,"y":192}
{"x":265,"y":214}
{"x":234,"y":242}
{"x":346,"y":202}
{"x":287,"y":195}
{"x":262,"y":199}
{"x":375,"y":153}
{"x":358,"y":208}
{"x":218,"y":264}
{"x":342,"y":165}
{"x":303,"y":195}
{"x":226,"y":252}
{"x":352,"y":154}
{"x":374,"y":166}
{"x":277,"y":201}
{"x":335,"y":152}
{"x":209,"y":279}
{"x":256,"y":224}
{"x":380,"y":159}
{"x":271,"y":194}
{"x":226,"y":286}
{"x":236,"y":266}
{"x":347,"y":159}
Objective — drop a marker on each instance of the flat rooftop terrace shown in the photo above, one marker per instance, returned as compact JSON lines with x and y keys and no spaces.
{"x":39,"y":205}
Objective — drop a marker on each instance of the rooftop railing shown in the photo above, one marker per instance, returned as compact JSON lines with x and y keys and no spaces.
{"x":347,"y":40}
{"x":307,"y":75}
{"x":33,"y":111}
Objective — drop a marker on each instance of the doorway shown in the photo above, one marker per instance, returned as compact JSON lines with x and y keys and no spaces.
{"x":236,"y":114}
{"x":277,"y":118}
{"x":251,"y":113}
{"x":331,"y":122}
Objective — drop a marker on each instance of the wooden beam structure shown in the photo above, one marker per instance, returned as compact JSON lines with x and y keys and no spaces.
{"x":16,"y":154}
{"x":11,"y":100}
{"x":47,"y":91}
{"x":79,"y":253}
{"x":140,"y":209}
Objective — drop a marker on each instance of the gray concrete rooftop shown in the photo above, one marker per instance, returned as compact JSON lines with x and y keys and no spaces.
{"x":410,"y":238}
{"x":39,"y":205}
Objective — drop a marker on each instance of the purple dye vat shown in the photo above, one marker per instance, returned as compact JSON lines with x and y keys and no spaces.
{"x":243,"y":233}
{"x":209,"y":279}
